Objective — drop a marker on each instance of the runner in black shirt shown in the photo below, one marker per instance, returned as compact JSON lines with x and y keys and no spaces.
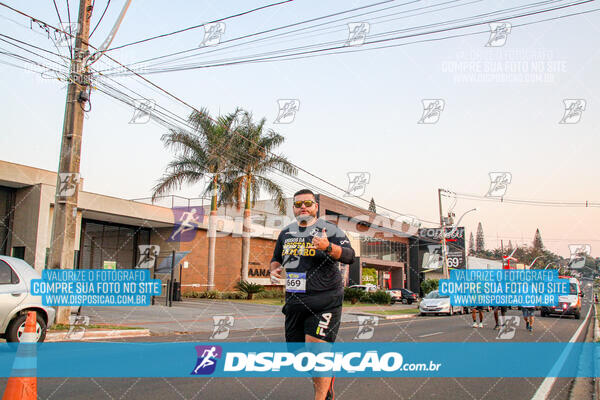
{"x":309,"y":251}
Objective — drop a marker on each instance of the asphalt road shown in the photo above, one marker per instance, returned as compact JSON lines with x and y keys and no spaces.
{"x":421,"y":329}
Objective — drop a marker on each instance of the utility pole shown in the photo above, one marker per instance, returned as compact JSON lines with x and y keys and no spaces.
{"x":62,"y":245}
{"x":443,"y":232}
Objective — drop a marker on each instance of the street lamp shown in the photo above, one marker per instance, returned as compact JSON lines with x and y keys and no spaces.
{"x":444,"y":249}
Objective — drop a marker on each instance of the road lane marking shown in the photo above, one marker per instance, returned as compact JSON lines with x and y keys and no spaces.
{"x":430,"y":334}
{"x":546,"y":386}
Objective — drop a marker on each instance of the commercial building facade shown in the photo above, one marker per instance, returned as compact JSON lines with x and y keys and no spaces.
{"x":114,"y":232}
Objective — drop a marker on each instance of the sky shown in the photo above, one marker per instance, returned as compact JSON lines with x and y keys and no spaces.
{"x":358,"y":112}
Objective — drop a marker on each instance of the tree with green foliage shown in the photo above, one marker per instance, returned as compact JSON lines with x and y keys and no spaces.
{"x":429,"y":285}
{"x":199,"y":156}
{"x":479,"y":241}
{"x":537,"y":241}
{"x":250,"y":174}
{"x":372,"y":206}
{"x":471,"y":245}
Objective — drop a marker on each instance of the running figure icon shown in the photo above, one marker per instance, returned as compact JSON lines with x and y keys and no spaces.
{"x":207,"y":361}
{"x":189,"y":220}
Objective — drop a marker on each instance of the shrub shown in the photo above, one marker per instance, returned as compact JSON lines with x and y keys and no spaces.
{"x":429,"y":285}
{"x":249,"y":288}
{"x":233,"y":295}
{"x":380,"y":297}
{"x":212,"y":294}
{"x":352,"y":294}
{"x":270,"y":294}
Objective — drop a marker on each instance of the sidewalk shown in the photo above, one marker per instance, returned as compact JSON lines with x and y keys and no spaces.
{"x":196,"y":315}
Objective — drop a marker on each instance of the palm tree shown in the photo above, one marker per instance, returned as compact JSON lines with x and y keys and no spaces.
{"x":200,"y":155}
{"x":248,"y":176}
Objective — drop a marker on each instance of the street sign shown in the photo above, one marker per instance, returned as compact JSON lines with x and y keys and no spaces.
{"x":430,"y":238}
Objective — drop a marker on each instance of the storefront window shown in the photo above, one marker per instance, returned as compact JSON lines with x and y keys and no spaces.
{"x":381,"y":249}
{"x":107,"y":242}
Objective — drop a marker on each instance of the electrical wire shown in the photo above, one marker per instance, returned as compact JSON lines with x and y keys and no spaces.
{"x":282,"y":27}
{"x":541,"y":203}
{"x":222,"y":49}
{"x":183,"y":102}
{"x":342,"y":48}
{"x":198,"y":26}
{"x":100,"y":20}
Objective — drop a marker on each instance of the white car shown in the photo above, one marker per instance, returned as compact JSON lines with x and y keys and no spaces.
{"x":433,"y":303}
{"x":16,"y":300}
{"x":366,"y":288}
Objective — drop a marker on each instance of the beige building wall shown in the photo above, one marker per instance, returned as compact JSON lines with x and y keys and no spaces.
{"x":26,"y":220}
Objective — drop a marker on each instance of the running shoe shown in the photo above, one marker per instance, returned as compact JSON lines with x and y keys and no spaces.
{"x":481,"y":325}
{"x":474,"y":325}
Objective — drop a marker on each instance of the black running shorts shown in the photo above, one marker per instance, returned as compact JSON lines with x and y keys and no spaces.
{"x":319,"y":322}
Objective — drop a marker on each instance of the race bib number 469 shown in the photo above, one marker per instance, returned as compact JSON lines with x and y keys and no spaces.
{"x":295,"y":282}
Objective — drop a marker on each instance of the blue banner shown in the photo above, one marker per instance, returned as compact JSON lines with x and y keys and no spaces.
{"x":526,"y":288}
{"x":235,"y":359}
{"x":96,"y":287}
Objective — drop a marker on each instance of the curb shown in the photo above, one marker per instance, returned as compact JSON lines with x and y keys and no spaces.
{"x":93,"y":335}
{"x":399,"y":316}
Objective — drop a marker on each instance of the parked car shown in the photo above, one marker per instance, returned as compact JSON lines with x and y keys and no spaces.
{"x":366,"y":288}
{"x":403,"y":295}
{"x":15,"y":300}
{"x":434,"y":303}
{"x":569,"y":304}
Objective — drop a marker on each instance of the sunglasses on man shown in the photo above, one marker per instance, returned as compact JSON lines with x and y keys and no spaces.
{"x":307,"y":203}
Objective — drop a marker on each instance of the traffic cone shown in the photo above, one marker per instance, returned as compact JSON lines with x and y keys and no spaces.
{"x":22,"y":385}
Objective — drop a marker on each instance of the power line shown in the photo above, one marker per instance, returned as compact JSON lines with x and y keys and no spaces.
{"x":100,"y":20}
{"x":198,"y":26}
{"x":61,"y":23}
{"x":232,"y":155}
{"x":542,"y":203}
{"x":183,"y":102}
{"x":340,"y":49}
{"x":280,"y":28}
{"x":221,"y":48}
